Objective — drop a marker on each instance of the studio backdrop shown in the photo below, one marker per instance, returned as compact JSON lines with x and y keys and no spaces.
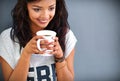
{"x":96,"y":24}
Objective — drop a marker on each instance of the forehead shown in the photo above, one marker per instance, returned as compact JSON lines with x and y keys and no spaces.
{"x":42,"y":2}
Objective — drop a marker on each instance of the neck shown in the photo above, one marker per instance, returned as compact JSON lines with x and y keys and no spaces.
{"x":35,"y":29}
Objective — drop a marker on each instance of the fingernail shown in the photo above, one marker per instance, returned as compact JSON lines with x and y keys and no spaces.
{"x":51,"y":45}
{"x":53,"y":37}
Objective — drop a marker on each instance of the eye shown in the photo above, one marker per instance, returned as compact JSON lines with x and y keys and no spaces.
{"x":36,"y":9}
{"x":51,"y":8}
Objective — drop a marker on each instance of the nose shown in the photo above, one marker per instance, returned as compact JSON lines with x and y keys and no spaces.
{"x":44,"y":14}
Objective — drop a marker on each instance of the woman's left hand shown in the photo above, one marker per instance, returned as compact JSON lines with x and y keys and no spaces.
{"x":57,"y":50}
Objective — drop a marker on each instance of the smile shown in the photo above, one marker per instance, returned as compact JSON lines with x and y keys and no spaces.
{"x":42,"y":21}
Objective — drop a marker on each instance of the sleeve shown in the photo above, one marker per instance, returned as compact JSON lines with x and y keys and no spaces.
{"x":6,"y":49}
{"x":70,"y":42}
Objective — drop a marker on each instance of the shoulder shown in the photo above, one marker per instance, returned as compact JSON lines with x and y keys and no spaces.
{"x":5,"y":34}
{"x":9,"y":50}
{"x":70,"y":42}
{"x":70,"y":35}
{"x":5,"y":41}
{"x":69,"y":32}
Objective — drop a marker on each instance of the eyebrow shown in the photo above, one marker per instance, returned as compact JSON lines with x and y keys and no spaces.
{"x":41,"y":7}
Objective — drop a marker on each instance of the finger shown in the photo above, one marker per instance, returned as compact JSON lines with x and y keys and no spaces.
{"x":55,"y":50}
{"x":42,"y":52}
{"x":36,"y":51}
{"x":43,"y":46}
{"x":56,"y":39}
{"x":56,"y":43}
{"x":50,"y":46}
{"x":38,"y":37}
{"x":44,"y":42}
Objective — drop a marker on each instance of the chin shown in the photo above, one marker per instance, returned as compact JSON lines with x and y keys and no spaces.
{"x":44,"y":26}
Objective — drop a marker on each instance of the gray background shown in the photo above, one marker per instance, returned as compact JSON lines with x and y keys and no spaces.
{"x":96,"y":24}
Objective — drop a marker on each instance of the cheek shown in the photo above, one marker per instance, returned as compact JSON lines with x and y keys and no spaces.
{"x":52,"y":15}
{"x":33,"y":15}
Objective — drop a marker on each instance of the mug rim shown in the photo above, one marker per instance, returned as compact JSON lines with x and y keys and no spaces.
{"x":46,"y":32}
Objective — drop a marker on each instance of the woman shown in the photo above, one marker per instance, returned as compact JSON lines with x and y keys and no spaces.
{"x":20,"y":58}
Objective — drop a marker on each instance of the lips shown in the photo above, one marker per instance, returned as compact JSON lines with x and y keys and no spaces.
{"x":42,"y":21}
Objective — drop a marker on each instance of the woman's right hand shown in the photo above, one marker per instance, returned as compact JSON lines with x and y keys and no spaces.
{"x":31,"y":46}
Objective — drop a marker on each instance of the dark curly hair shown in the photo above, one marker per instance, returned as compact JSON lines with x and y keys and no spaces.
{"x":21,"y":23}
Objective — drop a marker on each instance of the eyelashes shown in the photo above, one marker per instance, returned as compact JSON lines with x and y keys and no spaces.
{"x":39,"y":9}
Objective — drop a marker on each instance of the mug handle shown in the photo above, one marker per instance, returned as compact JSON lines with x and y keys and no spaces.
{"x":38,"y":44}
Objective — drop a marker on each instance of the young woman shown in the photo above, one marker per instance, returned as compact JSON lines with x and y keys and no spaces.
{"x":20,"y":58}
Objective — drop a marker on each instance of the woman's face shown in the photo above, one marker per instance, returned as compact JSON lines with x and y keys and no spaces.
{"x":41,"y":13}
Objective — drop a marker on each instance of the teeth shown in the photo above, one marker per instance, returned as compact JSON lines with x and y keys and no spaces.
{"x":43,"y":20}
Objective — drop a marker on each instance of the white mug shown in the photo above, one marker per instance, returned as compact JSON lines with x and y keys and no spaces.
{"x":47,"y":35}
